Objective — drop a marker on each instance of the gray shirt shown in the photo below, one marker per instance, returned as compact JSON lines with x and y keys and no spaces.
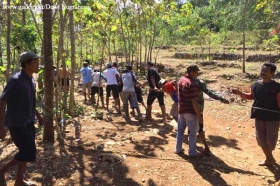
{"x":128,"y":84}
{"x":20,"y":96}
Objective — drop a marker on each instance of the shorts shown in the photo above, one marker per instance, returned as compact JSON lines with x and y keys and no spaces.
{"x":267,"y":133}
{"x":120,"y":87}
{"x":174,"y":111}
{"x":24,"y":139}
{"x":67,"y":81}
{"x":131,"y":98}
{"x":95,"y":90}
{"x":87,"y":86}
{"x":138,"y":94}
{"x":153,"y":95}
{"x":114,"y":89}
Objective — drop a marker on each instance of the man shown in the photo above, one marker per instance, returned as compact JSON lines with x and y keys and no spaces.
{"x":129,"y":94}
{"x":86,"y":73}
{"x":188,"y":110}
{"x":120,"y":85}
{"x":97,"y":86}
{"x":63,"y":78}
{"x":202,"y":88}
{"x":265,"y":107}
{"x":19,"y":96}
{"x":153,"y":79}
{"x":112,"y":76}
{"x":170,"y":87}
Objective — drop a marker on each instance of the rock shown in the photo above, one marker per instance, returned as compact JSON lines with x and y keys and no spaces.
{"x":239,"y":126}
{"x":110,"y":143}
{"x":143,"y":180}
{"x":227,"y":128}
{"x":239,"y":133}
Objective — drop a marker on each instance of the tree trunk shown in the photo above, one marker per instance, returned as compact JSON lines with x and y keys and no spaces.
{"x":8,"y":46}
{"x":23,"y":13}
{"x":243,"y":31}
{"x":48,"y":74}
{"x":73,"y":60}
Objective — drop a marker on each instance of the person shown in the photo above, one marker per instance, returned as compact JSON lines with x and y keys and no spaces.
{"x":138,"y":91}
{"x":128,"y":81}
{"x":188,"y":110}
{"x":112,"y":76}
{"x":153,"y":79}
{"x":120,"y":85}
{"x":86,"y":73}
{"x":97,"y":86}
{"x":202,"y":88}
{"x":265,"y":94}
{"x":19,"y":97}
{"x":63,"y":78}
{"x":170,"y":87}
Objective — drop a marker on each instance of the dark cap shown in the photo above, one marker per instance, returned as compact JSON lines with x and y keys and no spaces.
{"x":150,"y":63}
{"x":25,"y":56}
{"x":128,"y":67}
{"x":109,"y":65}
{"x":192,"y":67}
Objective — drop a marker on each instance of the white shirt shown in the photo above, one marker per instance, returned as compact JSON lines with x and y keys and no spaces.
{"x":95,"y":79}
{"x":110,"y":75}
{"x":128,"y":84}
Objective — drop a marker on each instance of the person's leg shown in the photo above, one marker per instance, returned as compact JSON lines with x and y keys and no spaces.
{"x":180,"y":133}
{"x":108,"y":92}
{"x":89,"y":90}
{"x":160,"y":97}
{"x":150,"y":100}
{"x":134,"y":104}
{"x":100,"y":92}
{"x":116,"y":97}
{"x":191,"y":121}
{"x":20,"y":172}
{"x":201,"y":134}
{"x":92,"y":92}
{"x":5,"y":167}
{"x":125,"y":103}
{"x":261,"y":139}
{"x":272,"y":128}
{"x":84,"y":91}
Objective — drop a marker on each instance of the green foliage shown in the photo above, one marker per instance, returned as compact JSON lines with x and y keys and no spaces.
{"x":25,"y":36}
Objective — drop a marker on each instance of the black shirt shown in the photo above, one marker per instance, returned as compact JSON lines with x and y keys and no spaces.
{"x":153,"y":73}
{"x":265,"y":96}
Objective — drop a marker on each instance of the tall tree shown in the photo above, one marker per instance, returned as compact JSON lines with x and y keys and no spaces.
{"x":73,"y":59}
{"x":8,"y":46}
{"x":48,"y":73}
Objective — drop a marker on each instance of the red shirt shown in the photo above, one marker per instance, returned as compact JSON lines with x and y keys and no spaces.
{"x":187,"y":90}
{"x":169,"y":87}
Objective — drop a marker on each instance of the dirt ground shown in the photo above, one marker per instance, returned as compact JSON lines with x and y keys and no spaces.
{"x":113,"y":152}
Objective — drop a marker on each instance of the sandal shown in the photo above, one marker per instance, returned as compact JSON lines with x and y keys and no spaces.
{"x":198,"y":154}
{"x":265,"y":163}
{"x":182,"y":151}
{"x":207,"y":152}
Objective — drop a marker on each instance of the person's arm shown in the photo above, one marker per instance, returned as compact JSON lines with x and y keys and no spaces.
{"x":244,"y":95}
{"x":193,"y":93}
{"x":3,"y":104}
{"x":154,"y":83}
{"x":202,"y":85}
{"x":175,"y":85}
{"x":39,"y":117}
{"x":144,"y":83}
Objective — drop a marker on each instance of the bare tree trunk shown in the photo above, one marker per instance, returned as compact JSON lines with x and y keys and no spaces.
{"x":243,"y":31}
{"x":124,"y":39}
{"x":23,"y":13}
{"x":73,"y":60}
{"x":8,"y":46}
{"x":48,"y":74}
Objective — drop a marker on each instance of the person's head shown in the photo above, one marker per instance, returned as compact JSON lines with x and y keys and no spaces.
{"x":162,"y":82}
{"x":54,"y":67}
{"x":129,"y":67}
{"x":109,"y":65}
{"x":85,"y":64}
{"x":150,"y":65}
{"x":115,"y":64}
{"x":61,"y":65}
{"x":96,"y":71}
{"x":192,"y":71}
{"x":87,"y":61}
{"x":29,"y":61}
{"x":268,"y":70}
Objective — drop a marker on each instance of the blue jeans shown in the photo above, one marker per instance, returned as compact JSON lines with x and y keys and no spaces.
{"x":190,"y":121}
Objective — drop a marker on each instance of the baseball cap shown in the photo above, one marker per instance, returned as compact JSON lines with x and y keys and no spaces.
{"x":192,"y":67}
{"x":109,"y":65}
{"x":162,"y":81}
{"x":129,"y":67}
{"x":25,"y":56}
{"x":150,"y":63}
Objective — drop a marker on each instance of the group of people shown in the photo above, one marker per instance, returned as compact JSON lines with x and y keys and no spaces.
{"x":19,"y":99}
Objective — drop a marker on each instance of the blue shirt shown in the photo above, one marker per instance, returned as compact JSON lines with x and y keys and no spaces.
{"x":86,"y":75}
{"x":20,"y":96}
